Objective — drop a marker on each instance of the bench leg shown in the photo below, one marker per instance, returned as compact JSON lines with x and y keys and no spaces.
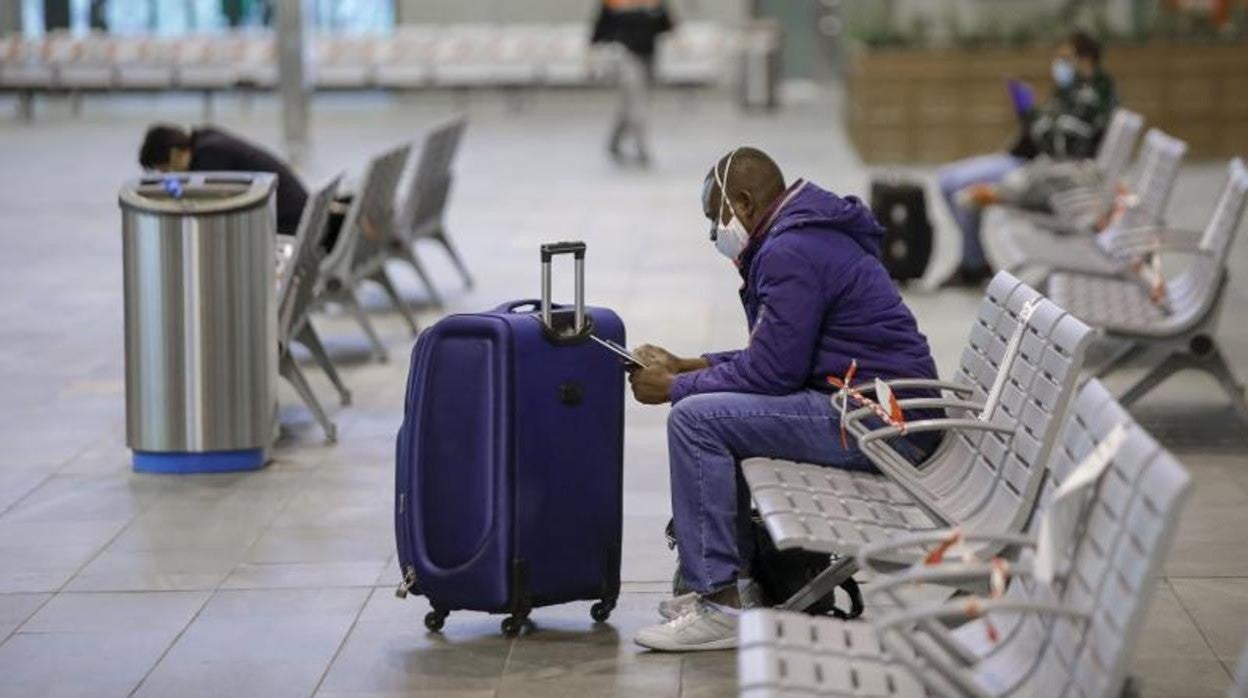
{"x":838,"y":571}
{"x":1215,"y":363}
{"x":26,"y":106}
{"x":308,"y":337}
{"x":293,"y":374}
{"x":406,"y":254}
{"x":1155,"y":375}
{"x":347,"y":294}
{"x":1129,"y":352}
{"x":383,"y":279}
{"x":453,"y":253}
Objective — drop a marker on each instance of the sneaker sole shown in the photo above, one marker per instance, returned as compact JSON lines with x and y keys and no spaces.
{"x":672,"y":616}
{"x":728,"y":643}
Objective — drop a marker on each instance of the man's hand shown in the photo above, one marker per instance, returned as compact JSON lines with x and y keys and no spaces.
{"x":652,"y":385}
{"x":652,"y":355}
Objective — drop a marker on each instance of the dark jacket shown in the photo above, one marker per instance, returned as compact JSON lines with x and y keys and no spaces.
{"x":1071,"y":124}
{"x":635,"y":29}
{"x":216,"y":150}
{"x":816,"y":297}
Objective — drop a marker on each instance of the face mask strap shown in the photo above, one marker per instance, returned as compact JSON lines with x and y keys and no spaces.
{"x":723,"y":190}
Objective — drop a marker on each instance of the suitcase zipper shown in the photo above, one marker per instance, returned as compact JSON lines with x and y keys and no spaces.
{"x":409,"y":581}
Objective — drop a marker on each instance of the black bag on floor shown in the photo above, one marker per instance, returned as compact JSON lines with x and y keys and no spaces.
{"x":899,"y":206}
{"x":782,"y":573}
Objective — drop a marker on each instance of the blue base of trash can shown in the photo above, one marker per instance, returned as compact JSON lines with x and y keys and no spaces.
{"x":206,"y":462}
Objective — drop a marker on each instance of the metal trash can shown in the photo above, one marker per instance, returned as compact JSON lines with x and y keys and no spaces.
{"x":201,"y":323}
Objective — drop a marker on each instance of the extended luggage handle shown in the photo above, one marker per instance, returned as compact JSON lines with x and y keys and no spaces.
{"x":549,"y":251}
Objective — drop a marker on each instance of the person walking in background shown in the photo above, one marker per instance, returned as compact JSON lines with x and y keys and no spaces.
{"x":634,"y":26}
{"x":1068,"y":126}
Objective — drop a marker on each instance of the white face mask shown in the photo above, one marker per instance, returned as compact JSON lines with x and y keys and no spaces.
{"x":730,"y":239}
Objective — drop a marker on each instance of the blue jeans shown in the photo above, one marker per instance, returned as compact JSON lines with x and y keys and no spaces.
{"x":982,"y":169}
{"x":707,"y":436}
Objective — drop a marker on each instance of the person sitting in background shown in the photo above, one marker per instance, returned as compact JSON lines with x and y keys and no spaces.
{"x":1069,"y":125}
{"x":171,"y":149}
{"x":818,"y":301}
{"x":635,"y":25}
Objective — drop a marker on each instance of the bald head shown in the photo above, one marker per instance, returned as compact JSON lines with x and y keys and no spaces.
{"x":754,"y":182}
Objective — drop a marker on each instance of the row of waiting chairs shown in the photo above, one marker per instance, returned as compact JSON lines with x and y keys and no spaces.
{"x":1099,"y":253}
{"x":378,"y":226}
{"x":1047,"y":507}
{"x":410,"y":57}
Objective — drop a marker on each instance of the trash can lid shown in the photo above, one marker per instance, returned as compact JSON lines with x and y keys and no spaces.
{"x":197,"y":193}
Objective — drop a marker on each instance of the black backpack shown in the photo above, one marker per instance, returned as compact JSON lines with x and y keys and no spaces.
{"x":782,"y":573}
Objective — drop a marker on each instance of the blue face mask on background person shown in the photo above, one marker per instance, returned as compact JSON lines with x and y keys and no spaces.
{"x":1063,"y":72}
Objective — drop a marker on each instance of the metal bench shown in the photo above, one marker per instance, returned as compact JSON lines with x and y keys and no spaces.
{"x":359,"y":252}
{"x":1072,"y":635}
{"x":1177,"y":331}
{"x":423,"y":214}
{"x":986,"y":474}
{"x":295,"y":298}
{"x":1111,"y":163}
{"x":1016,"y":241}
{"x":1085,"y":188}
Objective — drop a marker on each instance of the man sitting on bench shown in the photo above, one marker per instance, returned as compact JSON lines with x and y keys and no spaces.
{"x":171,"y":149}
{"x":817,"y":300}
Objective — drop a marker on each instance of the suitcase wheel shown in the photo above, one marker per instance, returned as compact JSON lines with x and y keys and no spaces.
{"x":601,"y":611}
{"x":512,"y":625}
{"x":434,"y":620}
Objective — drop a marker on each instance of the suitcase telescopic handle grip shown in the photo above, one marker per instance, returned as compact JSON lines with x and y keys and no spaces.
{"x":549,"y":250}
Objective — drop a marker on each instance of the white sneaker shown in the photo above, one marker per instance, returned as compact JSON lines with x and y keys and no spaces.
{"x":702,"y":628}
{"x":677,"y":606}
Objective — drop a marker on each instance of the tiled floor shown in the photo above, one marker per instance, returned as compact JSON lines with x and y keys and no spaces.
{"x":279,"y":582}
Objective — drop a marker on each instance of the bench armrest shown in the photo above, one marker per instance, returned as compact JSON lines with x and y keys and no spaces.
{"x":957,"y":610}
{"x":1144,"y":239}
{"x":927,"y":425}
{"x":962,"y":575}
{"x":916,"y":403}
{"x":935,"y":384}
{"x":868,"y":554}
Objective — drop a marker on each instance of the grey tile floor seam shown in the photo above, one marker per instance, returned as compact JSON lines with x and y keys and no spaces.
{"x":296,"y":563}
{"x":338,"y":650}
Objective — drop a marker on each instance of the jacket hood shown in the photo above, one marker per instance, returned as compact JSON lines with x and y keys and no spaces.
{"x":814,"y":206}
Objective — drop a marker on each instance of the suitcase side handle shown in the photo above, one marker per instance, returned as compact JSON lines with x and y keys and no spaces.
{"x":527,"y":304}
{"x":549,"y":251}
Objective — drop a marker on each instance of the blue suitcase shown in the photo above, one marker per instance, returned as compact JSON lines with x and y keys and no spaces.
{"x":509,"y":473}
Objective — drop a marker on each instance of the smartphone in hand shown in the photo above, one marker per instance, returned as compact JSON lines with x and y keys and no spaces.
{"x":631,"y":363}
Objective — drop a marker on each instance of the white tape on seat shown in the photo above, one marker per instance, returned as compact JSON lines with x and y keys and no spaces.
{"x":1007,"y":361}
{"x":1069,"y":504}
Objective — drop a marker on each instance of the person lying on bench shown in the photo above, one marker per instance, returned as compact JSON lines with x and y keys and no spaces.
{"x":817,"y":299}
{"x":171,"y":149}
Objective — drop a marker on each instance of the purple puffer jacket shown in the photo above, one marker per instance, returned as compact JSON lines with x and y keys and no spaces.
{"x":816,"y":297}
